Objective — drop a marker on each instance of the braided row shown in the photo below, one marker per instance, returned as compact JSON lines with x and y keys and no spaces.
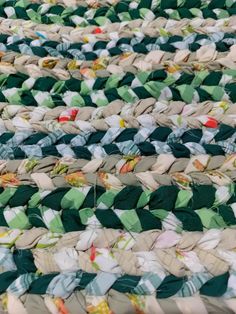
{"x":27,"y":88}
{"x":40,"y":239}
{"x":117,"y":113}
{"x":146,"y":179}
{"x":22,"y":82}
{"x":126,"y":148}
{"x":204,"y":58}
{"x":92,"y":50}
{"x":116,"y":302}
{"x":100,"y":284}
{"x":120,"y":252}
{"x":115,"y":172}
{"x":151,"y":4}
{"x":158,"y":90}
{"x":158,"y":27}
{"x":122,"y":11}
{"x":144,"y":141}
{"x":115,"y":121}
{"x":163,"y":164}
{"x":169,"y":208}
{"x":81,"y":3}
{"x":117,"y":135}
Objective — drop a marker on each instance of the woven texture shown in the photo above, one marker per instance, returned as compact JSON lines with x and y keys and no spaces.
{"x":117,"y":157}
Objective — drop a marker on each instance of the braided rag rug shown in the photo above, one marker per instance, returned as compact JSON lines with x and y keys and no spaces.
{"x":118,"y":156}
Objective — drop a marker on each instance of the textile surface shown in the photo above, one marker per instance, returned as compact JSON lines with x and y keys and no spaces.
{"x":117,"y":156}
